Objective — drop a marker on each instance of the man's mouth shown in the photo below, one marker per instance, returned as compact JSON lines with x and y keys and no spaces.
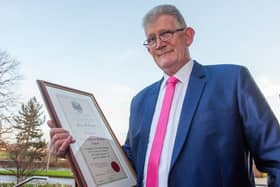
{"x":164,"y":53}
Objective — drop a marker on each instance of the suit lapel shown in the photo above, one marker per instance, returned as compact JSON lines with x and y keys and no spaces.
{"x":194,"y":91}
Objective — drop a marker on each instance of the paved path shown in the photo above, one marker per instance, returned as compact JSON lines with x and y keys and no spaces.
{"x":52,"y":180}
{"x":260,"y":182}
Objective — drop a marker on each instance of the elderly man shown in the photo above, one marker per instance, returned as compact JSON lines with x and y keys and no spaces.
{"x":198,"y":125}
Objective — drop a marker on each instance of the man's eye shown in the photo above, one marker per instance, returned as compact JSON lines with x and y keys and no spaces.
{"x":165,"y":33}
{"x":152,"y":39}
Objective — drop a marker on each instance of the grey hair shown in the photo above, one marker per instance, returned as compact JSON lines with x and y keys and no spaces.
{"x":165,"y":9}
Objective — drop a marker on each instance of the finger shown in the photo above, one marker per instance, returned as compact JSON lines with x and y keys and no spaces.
{"x":55,"y":131}
{"x":51,"y":124}
{"x":60,"y":153}
{"x":57,"y":140}
{"x":65,"y":146}
{"x":56,"y":146}
{"x":59,"y":136}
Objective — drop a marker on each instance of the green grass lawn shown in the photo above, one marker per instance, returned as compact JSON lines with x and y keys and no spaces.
{"x":49,"y":173}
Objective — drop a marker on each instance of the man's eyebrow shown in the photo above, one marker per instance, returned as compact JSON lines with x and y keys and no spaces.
{"x":160,"y":31}
{"x":151,"y":35}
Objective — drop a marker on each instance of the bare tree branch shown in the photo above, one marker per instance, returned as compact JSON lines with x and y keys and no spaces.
{"x":9,"y":76}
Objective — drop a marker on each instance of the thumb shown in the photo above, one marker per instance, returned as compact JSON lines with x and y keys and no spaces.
{"x":51,"y":124}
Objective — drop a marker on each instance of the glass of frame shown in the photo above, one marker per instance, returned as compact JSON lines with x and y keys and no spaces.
{"x":96,"y":158}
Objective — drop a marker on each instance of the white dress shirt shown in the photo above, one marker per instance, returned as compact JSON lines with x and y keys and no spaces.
{"x":183,"y":75}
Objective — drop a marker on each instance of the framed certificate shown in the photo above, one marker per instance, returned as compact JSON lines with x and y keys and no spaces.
{"x":96,"y":158}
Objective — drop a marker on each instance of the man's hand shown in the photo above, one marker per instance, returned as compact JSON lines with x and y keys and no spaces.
{"x":60,"y":140}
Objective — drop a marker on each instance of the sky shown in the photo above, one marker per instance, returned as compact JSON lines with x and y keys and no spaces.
{"x":96,"y":46}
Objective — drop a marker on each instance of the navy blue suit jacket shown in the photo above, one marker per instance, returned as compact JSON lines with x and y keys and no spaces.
{"x":225,"y":121}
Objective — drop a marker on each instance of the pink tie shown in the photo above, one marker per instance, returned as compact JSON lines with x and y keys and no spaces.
{"x":154,"y":159}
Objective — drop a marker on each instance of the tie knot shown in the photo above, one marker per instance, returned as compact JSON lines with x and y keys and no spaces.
{"x":172,"y":80}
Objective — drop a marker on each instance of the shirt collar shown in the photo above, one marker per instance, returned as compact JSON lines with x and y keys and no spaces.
{"x":182,"y":75}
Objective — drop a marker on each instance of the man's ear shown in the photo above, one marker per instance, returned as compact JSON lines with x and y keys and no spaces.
{"x":189,"y":33}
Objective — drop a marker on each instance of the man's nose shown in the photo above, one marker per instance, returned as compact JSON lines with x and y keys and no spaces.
{"x":159,"y":43}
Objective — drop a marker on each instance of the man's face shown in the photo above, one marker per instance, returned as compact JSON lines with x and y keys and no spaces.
{"x":172,"y":54}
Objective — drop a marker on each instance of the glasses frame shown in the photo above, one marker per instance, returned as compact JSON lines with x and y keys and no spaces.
{"x":150,"y":43}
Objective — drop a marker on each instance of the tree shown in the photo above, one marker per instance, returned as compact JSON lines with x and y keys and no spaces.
{"x":8,"y":78}
{"x":29,"y":151}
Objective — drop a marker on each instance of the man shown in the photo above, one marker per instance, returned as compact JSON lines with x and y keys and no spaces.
{"x":199,"y":125}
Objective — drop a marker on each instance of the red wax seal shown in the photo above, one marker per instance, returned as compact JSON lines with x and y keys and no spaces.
{"x":115,"y":166}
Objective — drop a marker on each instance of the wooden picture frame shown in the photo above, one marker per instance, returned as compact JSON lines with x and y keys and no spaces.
{"x":96,"y":158}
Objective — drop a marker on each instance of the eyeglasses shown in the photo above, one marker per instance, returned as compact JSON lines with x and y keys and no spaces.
{"x":163,"y":36}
